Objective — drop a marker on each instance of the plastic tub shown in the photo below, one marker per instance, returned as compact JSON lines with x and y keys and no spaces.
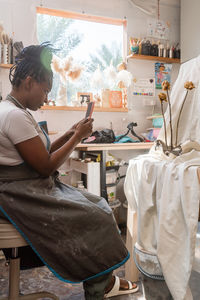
{"x":111,"y":192}
{"x":147,"y":263}
{"x":157,"y":122}
{"x":111,"y":176}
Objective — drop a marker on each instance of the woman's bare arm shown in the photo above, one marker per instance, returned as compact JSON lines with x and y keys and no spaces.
{"x":59,"y":142}
{"x":35,"y":154}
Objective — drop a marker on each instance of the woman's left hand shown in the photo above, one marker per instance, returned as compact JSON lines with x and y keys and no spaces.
{"x":71,"y":131}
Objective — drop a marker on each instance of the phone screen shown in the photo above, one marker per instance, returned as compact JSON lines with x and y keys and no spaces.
{"x":90,"y":109}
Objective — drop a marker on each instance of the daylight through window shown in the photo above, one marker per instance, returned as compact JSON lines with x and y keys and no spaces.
{"x":88,"y":49}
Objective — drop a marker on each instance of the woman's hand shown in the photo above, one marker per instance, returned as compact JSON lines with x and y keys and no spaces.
{"x":83,"y":129}
{"x":71,"y":131}
{"x":59,"y":142}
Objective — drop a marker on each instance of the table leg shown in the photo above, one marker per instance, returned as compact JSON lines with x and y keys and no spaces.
{"x":131,"y":271}
{"x":103,"y":174}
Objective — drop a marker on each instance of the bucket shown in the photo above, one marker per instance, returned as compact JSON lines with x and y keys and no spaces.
{"x":147,"y":263}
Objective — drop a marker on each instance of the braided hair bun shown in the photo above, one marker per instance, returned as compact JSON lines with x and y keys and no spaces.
{"x":34,"y":61}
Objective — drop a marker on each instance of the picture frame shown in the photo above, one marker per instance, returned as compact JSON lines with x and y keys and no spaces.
{"x":144,"y":87}
{"x":162,"y":73}
{"x":84,"y":97}
{"x":115,"y":99}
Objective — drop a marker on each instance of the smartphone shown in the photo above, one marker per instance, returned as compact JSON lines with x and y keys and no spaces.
{"x":90,"y":109}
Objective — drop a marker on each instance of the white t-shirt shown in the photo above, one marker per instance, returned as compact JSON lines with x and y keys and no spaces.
{"x":16,"y":125}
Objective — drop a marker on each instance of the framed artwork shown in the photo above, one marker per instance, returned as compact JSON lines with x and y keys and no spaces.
{"x":144,"y":87}
{"x":115,"y":99}
{"x":162,"y":72}
{"x":84,"y":97}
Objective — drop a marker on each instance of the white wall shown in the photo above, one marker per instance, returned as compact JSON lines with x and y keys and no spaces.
{"x":19,"y":18}
{"x":190,"y":25}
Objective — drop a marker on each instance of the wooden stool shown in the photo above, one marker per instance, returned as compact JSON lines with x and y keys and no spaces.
{"x":11,"y":238}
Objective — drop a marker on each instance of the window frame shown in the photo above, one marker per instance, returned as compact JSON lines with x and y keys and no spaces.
{"x":90,"y":18}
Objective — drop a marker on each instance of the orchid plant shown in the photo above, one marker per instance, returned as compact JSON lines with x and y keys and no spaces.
{"x":175,"y":149}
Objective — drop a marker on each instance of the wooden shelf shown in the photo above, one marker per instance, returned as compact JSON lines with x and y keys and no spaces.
{"x":156,"y":58}
{"x":6,"y":66}
{"x":52,"y":132}
{"x":154,"y":117}
{"x":80,"y":108}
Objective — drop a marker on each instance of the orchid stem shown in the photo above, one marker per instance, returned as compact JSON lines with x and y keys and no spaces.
{"x":170,"y":121}
{"x":164,"y":124}
{"x":177,"y":127}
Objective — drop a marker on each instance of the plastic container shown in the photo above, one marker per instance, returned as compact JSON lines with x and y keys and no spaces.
{"x":111,"y":192}
{"x":157,"y":122}
{"x":147,"y":263}
{"x":156,"y":132}
{"x":111,"y":176}
{"x":146,"y":46}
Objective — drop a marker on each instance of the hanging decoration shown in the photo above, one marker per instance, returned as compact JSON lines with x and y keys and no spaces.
{"x":157,"y":28}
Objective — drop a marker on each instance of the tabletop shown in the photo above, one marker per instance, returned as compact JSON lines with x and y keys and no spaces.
{"x":117,"y":146}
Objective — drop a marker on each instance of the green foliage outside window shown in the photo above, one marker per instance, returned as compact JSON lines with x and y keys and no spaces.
{"x":66,"y":38}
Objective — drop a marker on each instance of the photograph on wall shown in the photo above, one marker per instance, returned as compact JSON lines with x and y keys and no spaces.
{"x":162,"y":72}
{"x":84,"y":97}
{"x":144,"y":87}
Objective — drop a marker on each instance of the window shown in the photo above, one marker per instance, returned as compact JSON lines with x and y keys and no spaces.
{"x":94,"y":43}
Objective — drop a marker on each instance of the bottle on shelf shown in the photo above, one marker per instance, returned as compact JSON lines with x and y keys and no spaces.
{"x":146,"y":45}
{"x":167,"y":50}
{"x":164,"y":52}
{"x":177,"y":52}
{"x":160,"y":50}
{"x":154,"y":49}
{"x":171,"y":52}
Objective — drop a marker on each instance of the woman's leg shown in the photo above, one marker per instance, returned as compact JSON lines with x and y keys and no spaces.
{"x":95,"y":288}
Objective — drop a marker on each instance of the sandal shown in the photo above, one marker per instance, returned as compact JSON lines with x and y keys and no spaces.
{"x":115,"y":291}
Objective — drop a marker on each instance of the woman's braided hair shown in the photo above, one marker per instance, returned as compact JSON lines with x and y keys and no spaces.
{"x":34,"y":61}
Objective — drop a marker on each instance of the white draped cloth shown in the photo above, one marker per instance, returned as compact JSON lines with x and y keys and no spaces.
{"x":165,"y":191}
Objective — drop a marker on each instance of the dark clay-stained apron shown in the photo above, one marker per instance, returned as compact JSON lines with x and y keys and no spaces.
{"x":73,"y":232}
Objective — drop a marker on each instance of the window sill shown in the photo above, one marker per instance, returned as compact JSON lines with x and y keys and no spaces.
{"x":6,"y":66}
{"x":79,"y":108}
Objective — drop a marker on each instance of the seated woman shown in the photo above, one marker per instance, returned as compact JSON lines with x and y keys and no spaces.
{"x":72,"y":232}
